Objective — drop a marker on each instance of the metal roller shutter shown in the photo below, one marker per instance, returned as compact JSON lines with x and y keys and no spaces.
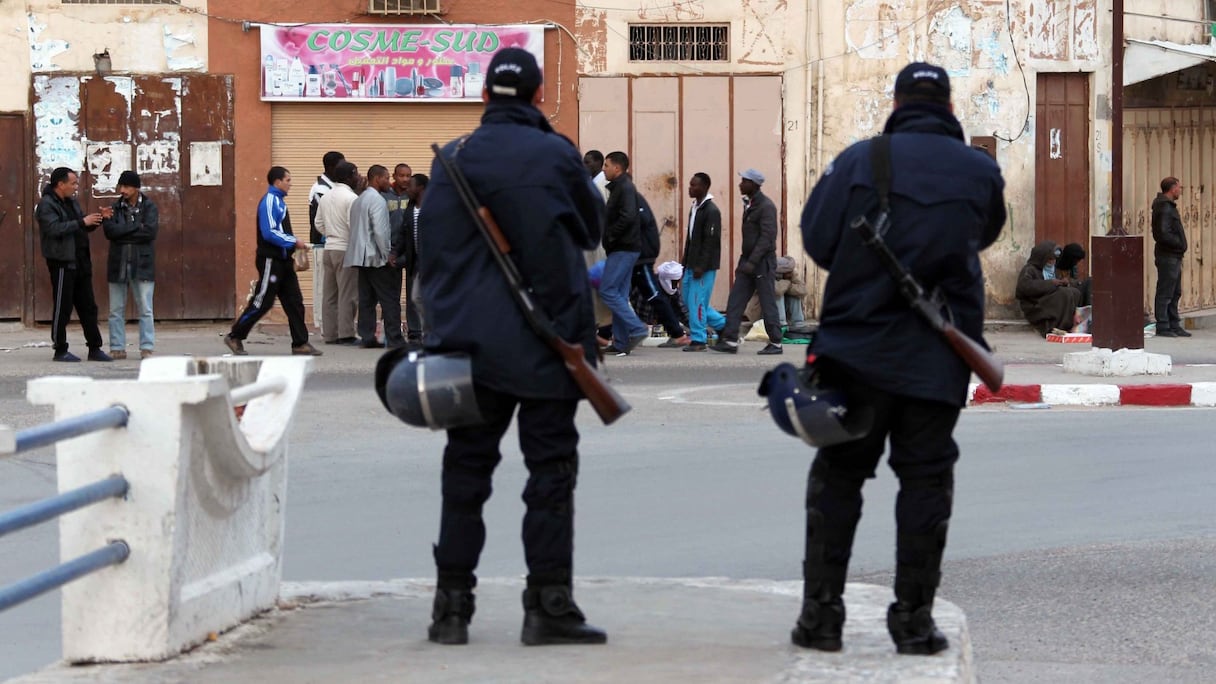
{"x":385,"y":134}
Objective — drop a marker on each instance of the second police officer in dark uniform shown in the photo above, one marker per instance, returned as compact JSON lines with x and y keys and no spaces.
{"x":533,"y":182}
{"x":946,"y":204}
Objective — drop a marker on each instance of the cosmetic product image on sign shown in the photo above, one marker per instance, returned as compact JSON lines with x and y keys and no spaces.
{"x":401,"y":63}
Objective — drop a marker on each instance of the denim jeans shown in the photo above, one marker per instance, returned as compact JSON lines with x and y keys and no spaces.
{"x":701,"y":315}
{"x":143,"y":290}
{"x":614,"y":292}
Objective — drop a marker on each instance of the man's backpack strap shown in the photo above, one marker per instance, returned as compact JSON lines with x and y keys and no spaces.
{"x":880,"y":163}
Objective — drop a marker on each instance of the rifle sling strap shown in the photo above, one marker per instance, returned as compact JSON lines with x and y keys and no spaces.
{"x":880,"y":163}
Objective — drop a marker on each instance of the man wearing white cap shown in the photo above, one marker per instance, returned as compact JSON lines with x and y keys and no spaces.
{"x":757,"y":268}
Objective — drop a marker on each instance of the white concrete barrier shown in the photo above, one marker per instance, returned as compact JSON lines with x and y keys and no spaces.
{"x":204,"y":516}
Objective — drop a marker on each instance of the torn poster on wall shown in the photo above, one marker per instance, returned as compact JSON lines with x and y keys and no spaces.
{"x":158,"y":156}
{"x":206,"y":163}
{"x":106,"y":162}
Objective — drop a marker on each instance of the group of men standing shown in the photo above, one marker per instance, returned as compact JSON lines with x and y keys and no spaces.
{"x":631,"y":246}
{"x":364,"y":235}
{"x":130,"y":224}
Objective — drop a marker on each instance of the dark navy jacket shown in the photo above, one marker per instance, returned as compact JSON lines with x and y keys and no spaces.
{"x":533,"y":182}
{"x":947,"y":204}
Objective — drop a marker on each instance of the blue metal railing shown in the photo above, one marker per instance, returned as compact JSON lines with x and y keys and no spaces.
{"x":115,"y":486}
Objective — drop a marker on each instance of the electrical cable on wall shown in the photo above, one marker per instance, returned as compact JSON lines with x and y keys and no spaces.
{"x":1025,"y":83}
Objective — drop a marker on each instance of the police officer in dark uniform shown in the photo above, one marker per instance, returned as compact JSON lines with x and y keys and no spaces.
{"x":946,"y":204}
{"x":533,"y":182}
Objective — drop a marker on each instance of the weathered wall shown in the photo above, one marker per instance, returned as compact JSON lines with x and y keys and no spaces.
{"x":237,"y":51}
{"x":1147,"y":28}
{"x":45,"y":36}
{"x":767,"y":37}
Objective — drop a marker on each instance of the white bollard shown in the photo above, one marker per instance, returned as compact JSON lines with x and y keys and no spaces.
{"x":204,"y":516}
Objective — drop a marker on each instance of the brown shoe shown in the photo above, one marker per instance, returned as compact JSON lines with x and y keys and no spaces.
{"x":144,"y":353}
{"x":237,"y":346}
{"x":306,"y":349}
{"x":118,"y":355}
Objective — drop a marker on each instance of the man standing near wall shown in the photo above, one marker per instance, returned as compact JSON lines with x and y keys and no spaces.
{"x":623,"y":245}
{"x":756,"y":272}
{"x":276,"y":271}
{"x":341,"y":284}
{"x":131,"y":230}
{"x":405,"y":250}
{"x":368,"y":251}
{"x":329,"y":161}
{"x":702,"y":258}
{"x":64,"y":235}
{"x":593,"y":161}
{"x":1168,"y":250}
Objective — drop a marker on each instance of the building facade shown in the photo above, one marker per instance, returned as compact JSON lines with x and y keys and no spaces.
{"x":186,"y":94}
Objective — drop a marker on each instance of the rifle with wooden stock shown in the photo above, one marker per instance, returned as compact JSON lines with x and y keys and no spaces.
{"x":987,"y":367}
{"x":608,"y":404}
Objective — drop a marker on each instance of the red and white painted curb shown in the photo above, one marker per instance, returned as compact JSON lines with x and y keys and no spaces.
{"x":1092,"y":394}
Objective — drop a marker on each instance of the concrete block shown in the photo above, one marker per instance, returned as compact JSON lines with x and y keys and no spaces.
{"x":1122,"y":363}
{"x":204,"y":516}
{"x":1203,"y":394}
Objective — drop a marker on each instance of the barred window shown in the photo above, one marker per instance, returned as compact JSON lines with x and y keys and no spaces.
{"x":403,"y":7}
{"x":679,"y":42}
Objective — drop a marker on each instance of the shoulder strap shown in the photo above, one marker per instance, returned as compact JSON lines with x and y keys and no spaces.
{"x":880,"y":162}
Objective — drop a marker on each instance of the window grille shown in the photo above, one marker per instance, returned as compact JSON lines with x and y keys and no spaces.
{"x":402,"y":6}
{"x":679,"y":42}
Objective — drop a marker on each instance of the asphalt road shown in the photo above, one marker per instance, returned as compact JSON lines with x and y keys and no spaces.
{"x":1081,"y":546}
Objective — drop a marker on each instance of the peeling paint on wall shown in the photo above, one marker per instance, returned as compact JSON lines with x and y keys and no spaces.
{"x":950,"y":41}
{"x":990,"y":53}
{"x":56,"y":123}
{"x":1085,"y":33}
{"x":106,"y":161}
{"x":987,"y":103}
{"x":872,"y":28}
{"x":176,"y":41}
{"x":672,"y":10}
{"x":42,"y":53}
{"x":158,"y":156}
{"x":1047,"y":28}
{"x":591,"y":27}
{"x":761,"y":25}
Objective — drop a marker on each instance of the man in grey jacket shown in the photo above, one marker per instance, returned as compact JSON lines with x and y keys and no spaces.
{"x":756,"y":272}
{"x":1168,"y":250}
{"x":368,"y":251}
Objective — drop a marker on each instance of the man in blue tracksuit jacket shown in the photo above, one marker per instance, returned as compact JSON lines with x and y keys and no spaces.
{"x":946,"y":204}
{"x":276,"y":271}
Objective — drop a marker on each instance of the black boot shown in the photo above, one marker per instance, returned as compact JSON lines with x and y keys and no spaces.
{"x":451,"y":616}
{"x":910,"y":618}
{"x":822,"y":620}
{"x":552,"y":617}
{"x":829,"y":544}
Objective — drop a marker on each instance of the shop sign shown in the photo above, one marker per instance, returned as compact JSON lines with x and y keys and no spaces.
{"x":391,"y":62}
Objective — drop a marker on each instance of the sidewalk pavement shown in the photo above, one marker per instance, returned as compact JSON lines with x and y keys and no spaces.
{"x":660,"y":631}
{"x":1034,"y":372}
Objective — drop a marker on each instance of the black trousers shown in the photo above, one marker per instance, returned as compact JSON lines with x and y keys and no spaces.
{"x":413,"y":318}
{"x":381,"y":286}
{"x":923,"y":454}
{"x":645,"y":281}
{"x":72,"y":288}
{"x":276,"y":279}
{"x":1169,"y":292}
{"x":762,"y":283}
{"x":549,"y":441}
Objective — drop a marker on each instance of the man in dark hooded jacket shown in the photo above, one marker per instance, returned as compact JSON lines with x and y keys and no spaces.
{"x":1047,"y":301}
{"x":532,"y":181}
{"x":1169,"y":246}
{"x":946,"y":204}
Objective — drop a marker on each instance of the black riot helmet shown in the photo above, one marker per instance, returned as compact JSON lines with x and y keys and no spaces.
{"x":428,"y":390}
{"x":817,"y":415}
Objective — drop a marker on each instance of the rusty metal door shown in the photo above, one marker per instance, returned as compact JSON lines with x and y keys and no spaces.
{"x":1061,"y":184}
{"x":16,"y":217}
{"x":1179,"y":142}
{"x":153,"y":124}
